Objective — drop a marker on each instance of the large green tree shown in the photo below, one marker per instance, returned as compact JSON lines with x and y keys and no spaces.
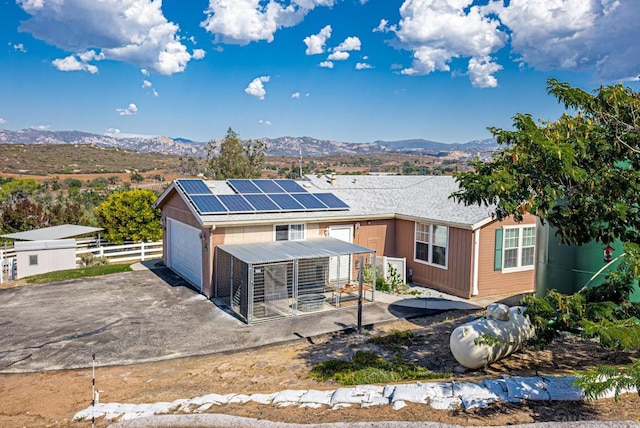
{"x":229,"y":158}
{"x":129,"y":215}
{"x":581,"y":174}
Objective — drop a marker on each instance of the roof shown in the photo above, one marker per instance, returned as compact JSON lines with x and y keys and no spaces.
{"x":52,"y":233}
{"x":57,"y":244}
{"x":425,"y":198}
{"x":290,"y":250}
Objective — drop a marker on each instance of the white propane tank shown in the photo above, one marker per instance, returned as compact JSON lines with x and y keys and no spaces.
{"x":509,"y":325}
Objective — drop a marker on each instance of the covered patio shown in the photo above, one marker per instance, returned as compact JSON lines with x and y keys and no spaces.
{"x":264,"y":281}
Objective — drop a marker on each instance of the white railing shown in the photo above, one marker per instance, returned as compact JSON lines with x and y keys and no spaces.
{"x":123,"y":253}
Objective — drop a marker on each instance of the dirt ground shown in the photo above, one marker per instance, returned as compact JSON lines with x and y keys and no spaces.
{"x":50,"y":399}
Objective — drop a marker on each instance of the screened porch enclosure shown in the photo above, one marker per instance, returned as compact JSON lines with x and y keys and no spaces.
{"x":288,"y":278}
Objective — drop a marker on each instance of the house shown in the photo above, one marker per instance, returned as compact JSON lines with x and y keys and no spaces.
{"x":219,"y":235}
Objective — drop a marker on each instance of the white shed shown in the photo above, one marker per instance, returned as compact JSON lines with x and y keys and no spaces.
{"x":35,"y":257}
{"x":47,"y":249}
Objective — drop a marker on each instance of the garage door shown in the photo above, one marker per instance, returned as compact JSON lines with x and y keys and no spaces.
{"x":185,"y":251}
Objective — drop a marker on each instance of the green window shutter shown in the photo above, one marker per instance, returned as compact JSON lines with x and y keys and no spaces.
{"x":497,"y":258}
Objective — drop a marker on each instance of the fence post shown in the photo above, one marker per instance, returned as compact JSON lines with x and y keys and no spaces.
{"x":142,"y":251}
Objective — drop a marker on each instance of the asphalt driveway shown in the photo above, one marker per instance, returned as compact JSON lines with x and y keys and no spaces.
{"x":135,"y":317}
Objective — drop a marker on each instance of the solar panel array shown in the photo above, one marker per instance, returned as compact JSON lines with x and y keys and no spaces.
{"x":263,"y":196}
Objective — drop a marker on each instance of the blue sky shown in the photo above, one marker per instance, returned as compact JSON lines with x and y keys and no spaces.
{"x":345,"y":70}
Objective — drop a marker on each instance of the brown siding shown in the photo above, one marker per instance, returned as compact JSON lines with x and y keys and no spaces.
{"x":491,"y":282}
{"x":174,"y":207}
{"x":456,"y":279}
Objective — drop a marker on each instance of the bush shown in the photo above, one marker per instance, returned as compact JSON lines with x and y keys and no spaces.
{"x":89,"y":260}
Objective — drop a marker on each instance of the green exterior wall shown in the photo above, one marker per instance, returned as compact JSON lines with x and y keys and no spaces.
{"x":568,"y":268}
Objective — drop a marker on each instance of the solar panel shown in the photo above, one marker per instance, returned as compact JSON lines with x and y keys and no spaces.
{"x":236,"y":203}
{"x":243,"y":186}
{"x":308,"y":201}
{"x":268,"y":186}
{"x":290,"y":186}
{"x":331,"y":201}
{"x":286,"y":202}
{"x":262,"y":203}
{"x":208,"y":204}
{"x":194,"y":187}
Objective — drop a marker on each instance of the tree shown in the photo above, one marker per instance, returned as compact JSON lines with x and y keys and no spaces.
{"x":21,"y":216}
{"x":230,"y":159}
{"x":129,"y":215}
{"x":581,"y":174}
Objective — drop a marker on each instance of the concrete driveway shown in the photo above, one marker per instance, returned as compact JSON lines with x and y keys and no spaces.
{"x":136,"y":317}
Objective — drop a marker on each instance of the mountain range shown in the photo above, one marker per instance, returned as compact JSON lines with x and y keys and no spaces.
{"x":281,"y":146}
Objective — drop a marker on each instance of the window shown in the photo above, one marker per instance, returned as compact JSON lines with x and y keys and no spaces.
{"x":33,"y":260}
{"x":519,"y":244}
{"x":290,"y":232}
{"x":431,"y":243}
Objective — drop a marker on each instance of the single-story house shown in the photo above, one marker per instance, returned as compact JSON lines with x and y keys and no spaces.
{"x":219,"y":235}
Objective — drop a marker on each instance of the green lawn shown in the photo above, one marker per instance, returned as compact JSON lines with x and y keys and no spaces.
{"x":63,"y":275}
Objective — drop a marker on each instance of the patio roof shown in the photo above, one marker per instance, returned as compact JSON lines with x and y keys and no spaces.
{"x":52,"y":233}
{"x":289,"y":250}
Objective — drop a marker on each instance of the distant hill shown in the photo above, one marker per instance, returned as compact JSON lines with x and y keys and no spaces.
{"x":281,"y":146}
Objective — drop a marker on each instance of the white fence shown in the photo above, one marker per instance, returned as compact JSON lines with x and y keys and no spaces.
{"x":123,"y":253}
{"x":129,"y":252}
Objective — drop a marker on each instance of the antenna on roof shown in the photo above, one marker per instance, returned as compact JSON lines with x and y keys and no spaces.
{"x":300,"y":164}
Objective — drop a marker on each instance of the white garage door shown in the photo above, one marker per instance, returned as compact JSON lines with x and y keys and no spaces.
{"x":185,"y":251}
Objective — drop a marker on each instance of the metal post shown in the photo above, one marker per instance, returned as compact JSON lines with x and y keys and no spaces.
{"x":93,"y":391}
{"x":360,"y":279}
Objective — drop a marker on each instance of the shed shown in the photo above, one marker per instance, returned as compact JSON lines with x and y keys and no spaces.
{"x":47,"y":249}
{"x":261,"y":281}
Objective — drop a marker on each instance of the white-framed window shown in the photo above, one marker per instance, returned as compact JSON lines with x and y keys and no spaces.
{"x":33,"y":260}
{"x":290,"y":232}
{"x":518,"y":248}
{"x":432,"y":242}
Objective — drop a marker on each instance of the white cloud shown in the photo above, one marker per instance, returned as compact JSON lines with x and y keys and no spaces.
{"x":2,"y":121}
{"x":256,"y":87}
{"x":338,"y":56}
{"x":129,"y":111}
{"x":264,"y":122}
{"x":363,"y":66}
{"x":71,"y":63}
{"x":112,"y":132}
{"x":244,"y":21}
{"x":154,"y":92}
{"x":19,"y":47}
{"x":349,"y":44}
{"x":315,"y":43}
{"x":600,"y":37}
{"x":198,"y":53}
{"x":384,"y":27}
{"x":146,"y":84}
{"x":326,"y":64}
{"x":438,"y":32}
{"x":481,"y":72}
{"x":144,"y":71}
{"x":90,"y":55}
{"x":295,"y":95}
{"x":133,"y":31}
{"x":596,"y":36}
{"x":42,"y":127}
